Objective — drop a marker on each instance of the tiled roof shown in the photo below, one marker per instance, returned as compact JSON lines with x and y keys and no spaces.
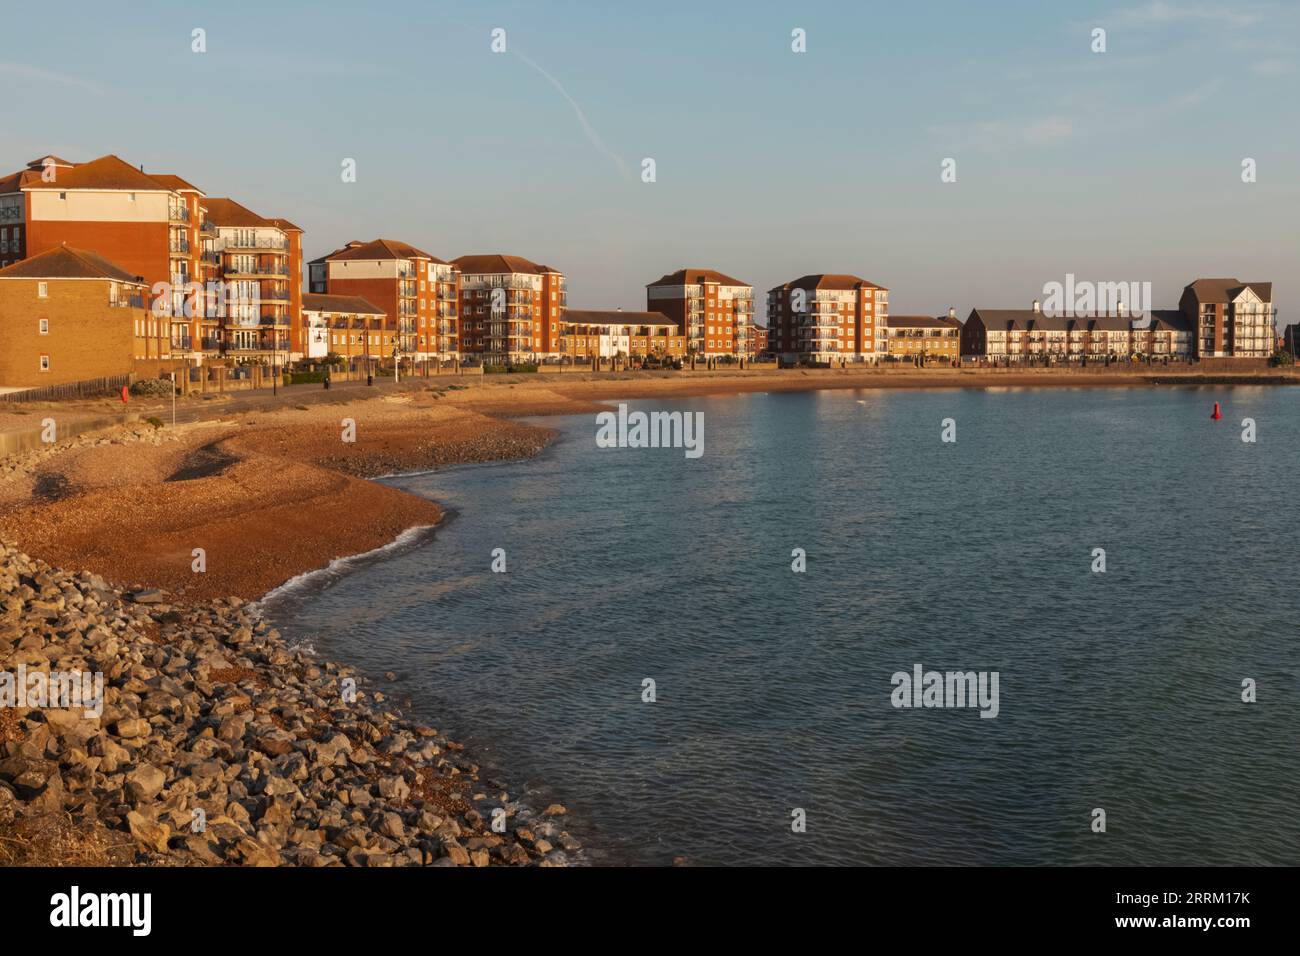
{"x":615,"y":317}
{"x":65,"y":262}
{"x":1225,"y":290}
{"x":107,"y":172}
{"x":921,"y":322}
{"x":381,"y":249}
{"x":351,"y":304}
{"x":835,"y":281}
{"x":175,"y":182}
{"x":496,"y":263}
{"x":690,"y":276}
{"x":227,"y":212}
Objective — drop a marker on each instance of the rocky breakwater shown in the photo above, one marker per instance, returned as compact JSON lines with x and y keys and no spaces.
{"x":214,"y":742}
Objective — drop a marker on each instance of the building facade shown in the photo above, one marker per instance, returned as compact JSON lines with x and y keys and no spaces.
{"x":259,"y":261}
{"x":924,"y":337}
{"x":1230,"y":318}
{"x":346,"y":325}
{"x":416,"y":290}
{"x":635,"y":336}
{"x":714,"y":311}
{"x":1008,"y":336}
{"x":828,"y":318}
{"x":511,"y":309}
{"x":70,"y":315}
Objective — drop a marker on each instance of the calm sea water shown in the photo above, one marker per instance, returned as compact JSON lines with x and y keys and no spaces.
{"x":1119,"y":690}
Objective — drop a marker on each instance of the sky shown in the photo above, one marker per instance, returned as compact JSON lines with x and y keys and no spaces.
{"x":1115,"y":166}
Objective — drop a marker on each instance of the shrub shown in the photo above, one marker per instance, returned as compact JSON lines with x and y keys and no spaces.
{"x":155,"y":421}
{"x":152,"y":387}
{"x":1283,"y":357}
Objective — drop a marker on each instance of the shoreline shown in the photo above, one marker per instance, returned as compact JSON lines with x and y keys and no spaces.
{"x":122,"y":513}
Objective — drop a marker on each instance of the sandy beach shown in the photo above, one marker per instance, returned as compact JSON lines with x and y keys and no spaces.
{"x":271,"y":494}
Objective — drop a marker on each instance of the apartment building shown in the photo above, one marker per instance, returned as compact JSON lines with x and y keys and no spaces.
{"x":828,"y":318}
{"x":143,"y":223}
{"x":610,"y":333}
{"x":762,"y":340}
{"x":923,"y":336}
{"x":69,"y":315}
{"x":163,"y":228}
{"x":1167,"y":336}
{"x":347,"y":325}
{"x":511,"y":309}
{"x":1017,"y":335}
{"x":1230,"y":318}
{"x":416,"y":290}
{"x":260,"y":264}
{"x":714,"y":311}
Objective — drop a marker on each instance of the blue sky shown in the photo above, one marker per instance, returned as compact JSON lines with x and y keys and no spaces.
{"x":1115,"y":166}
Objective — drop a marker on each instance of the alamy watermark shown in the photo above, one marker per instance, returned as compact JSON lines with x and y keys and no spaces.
{"x":53,"y":689}
{"x":1084,"y":299}
{"x":624,"y":429}
{"x":953,"y":689}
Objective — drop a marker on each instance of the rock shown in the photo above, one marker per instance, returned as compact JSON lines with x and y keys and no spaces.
{"x":144,"y":783}
{"x":392,"y":826}
{"x":147,"y":596}
{"x":554,"y":810}
{"x":147,"y":833}
{"x":131,"y":727}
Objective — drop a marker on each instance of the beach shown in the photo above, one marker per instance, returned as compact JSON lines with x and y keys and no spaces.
{"x":137,"y":549}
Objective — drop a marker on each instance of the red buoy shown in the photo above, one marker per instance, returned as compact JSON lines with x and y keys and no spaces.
{"x":1216,"y":416}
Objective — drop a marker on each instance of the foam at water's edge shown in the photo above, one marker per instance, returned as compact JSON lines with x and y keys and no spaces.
{"x":408,"y":538}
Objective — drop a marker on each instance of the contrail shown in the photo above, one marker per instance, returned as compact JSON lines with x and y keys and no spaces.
{"x":591,"y":134}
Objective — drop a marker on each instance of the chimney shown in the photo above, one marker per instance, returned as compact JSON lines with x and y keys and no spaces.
{"x":1119,"y":309}
{"x":952,"y":312}
{"x":1037,"y":308}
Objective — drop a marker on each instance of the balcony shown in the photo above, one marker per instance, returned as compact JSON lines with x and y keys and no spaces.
{"x":254,"y":243}
{"x":178,"y":214}
{"x":208,"y":228}
{"x":179,"y":245}
{"x":235,"y":270}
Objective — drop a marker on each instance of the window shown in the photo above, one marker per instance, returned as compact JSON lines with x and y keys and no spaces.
{"x":42,"y":290}
{"x":45,"y":363}
{"x":45,"y":326}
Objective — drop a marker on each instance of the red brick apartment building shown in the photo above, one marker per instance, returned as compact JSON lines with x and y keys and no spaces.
{"x":260,"y":264}
{"x":1230,"y":318}
{"x":607,"y":333}
{"x":511,"y":309}
{"x":714,"y":311}
{"x":415,"y":290}
{"x":828,"y":317}
{"x":68,"y":315}
{"x":162,"y":228}
{"x":347,"y":325}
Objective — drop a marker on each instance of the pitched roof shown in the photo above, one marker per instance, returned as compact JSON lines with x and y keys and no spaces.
{"x":65,"y":262}
{"x":351,"y":304}
{"x":175,"y":182}
{"x":227,"y":212}
{"x":839,"y":281}
{"x":381,"y":249}
{"x":1109,"y":323}
{"x":1225,"y":290}
{"x":697,"y":277}
{"x":1165,"y":320}
{"x":921,"y":322}
{"x":496,"y":263}
{"x":286,"y":225}
{"x":107,"y":172}
{"x":615,"y":317}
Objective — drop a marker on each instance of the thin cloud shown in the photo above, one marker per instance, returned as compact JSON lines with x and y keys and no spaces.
{"x":48,"y":76}
{"x":1272,"y":67}
{"x":592,"y":136}
{"x":1042,"y":131}
{"x":1163,"y":11}
{"x":1200,"y":94}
